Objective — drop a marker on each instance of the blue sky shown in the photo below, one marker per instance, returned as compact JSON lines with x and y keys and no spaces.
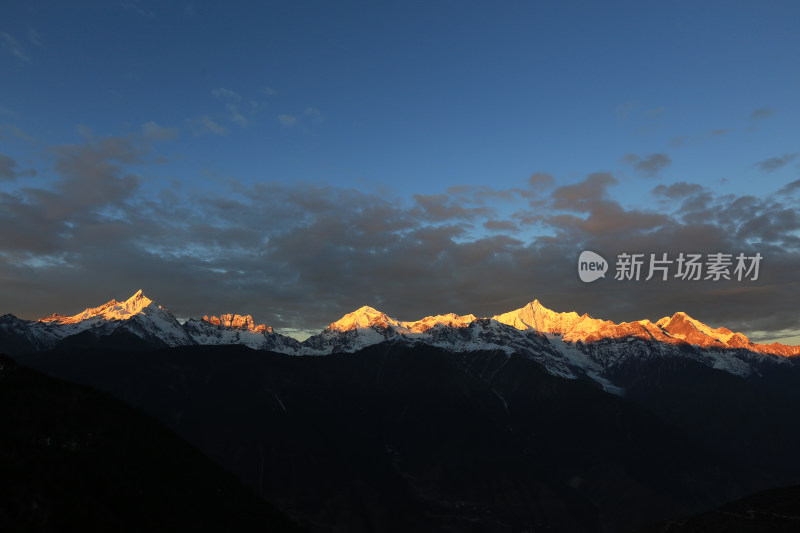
{"x":140,"y":129}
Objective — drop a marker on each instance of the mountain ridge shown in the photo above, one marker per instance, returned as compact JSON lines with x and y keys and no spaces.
{"x":565,"y":343}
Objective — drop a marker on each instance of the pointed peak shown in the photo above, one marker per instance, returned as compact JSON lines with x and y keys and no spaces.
{"x":138,"y":299}
{"x":680,"y":317}
{"x":111,"y":310}
{"x":535,"y":316}
{"x":366,"y":310}
{"x":363,"y":317}
{"x":538,"y":307}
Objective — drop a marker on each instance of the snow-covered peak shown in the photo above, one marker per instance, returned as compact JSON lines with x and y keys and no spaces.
{"x":362,"y":318}
{"x":367,"y":325}
{"x":138,"y":315}
{"x":450,"y":320}
{"x":682,"y":326}
{"x":112,"y":310}
{"x":244,"y":323}
{"x":537,"y":317}
{"x":134,"y":305}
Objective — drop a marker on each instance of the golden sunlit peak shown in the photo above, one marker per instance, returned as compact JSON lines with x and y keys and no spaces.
{"x":138,"y":301}
{"x":112,"y":310}
{"x":241,"y":322}
{"x":362,"y":317}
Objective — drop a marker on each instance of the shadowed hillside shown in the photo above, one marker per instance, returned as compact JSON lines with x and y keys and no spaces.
{"x":75,"y":459}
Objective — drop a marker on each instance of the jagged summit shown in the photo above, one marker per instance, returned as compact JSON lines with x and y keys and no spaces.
{"x":678,"y":329}
{"x":245,"y":323}
{"x":538,"y":317}
{"x":569,"y":326}
{"x":682,"y":326}
{"x":565,"y":344}
{"x":365,"y":326}
{"x":112,"y":310}
{"x":451,"y":320}
{"x":369,"y":317}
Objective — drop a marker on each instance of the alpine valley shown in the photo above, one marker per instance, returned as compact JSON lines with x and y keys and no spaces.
{"x":531,"y":420}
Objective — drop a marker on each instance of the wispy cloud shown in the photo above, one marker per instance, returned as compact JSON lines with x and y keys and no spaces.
{"x":231,"y":100}
{"x":153,"y":131}
{"x":772,"y":164}
{"x":226,"y":93}
{"x":649,"y":165}
{"x":287,"y":120}
{"x":762,"y":113}
{"x":236,"y":116}
{"x":34,"y":38}
{"x":14,"y":47}
{"x":9,"y":170}
{"x":206,"y":124}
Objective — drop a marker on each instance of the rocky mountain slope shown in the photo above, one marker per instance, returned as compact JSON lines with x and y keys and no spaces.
{"x":566,"y":344}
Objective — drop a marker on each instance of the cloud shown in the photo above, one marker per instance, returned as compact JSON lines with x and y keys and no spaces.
{"x":790,"y":188}
{"x":300,"y":255}
{"x":287,"y":120}
{"x":206,"y":124}
{"x":679,"y":141}
{"x":154,"y":132}
{"x":539,"y":181}
{"x":78,"y":212}
{"x":309,"y":115}
{"x":441,"y":207}
{"x":231,"y":101}
{"x":236,"y":116}
{"x":625,"y":109}
{"x":34,"y":38}
{"x":9,"y":171}
{"x":14,"y":47}
{"x":762,"y":113}
{"x":7,"y":166}
{"x":500,"y":225}
{"x":650,"y":165}
{"x":7,"y":131}
{"x":772,"y":164}
{"x":92,"y":174}
{"x":226,"y":94}
{"x":678,"y":190}
{"x":580,"y":196}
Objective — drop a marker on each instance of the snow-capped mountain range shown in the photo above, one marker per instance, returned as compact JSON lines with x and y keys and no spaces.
{"x":566,"y":344}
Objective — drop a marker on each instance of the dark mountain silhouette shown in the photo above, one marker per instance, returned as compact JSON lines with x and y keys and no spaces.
{"x":75,"y":459}
{"x":770,"y":511}
{"x":410,"y":437}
